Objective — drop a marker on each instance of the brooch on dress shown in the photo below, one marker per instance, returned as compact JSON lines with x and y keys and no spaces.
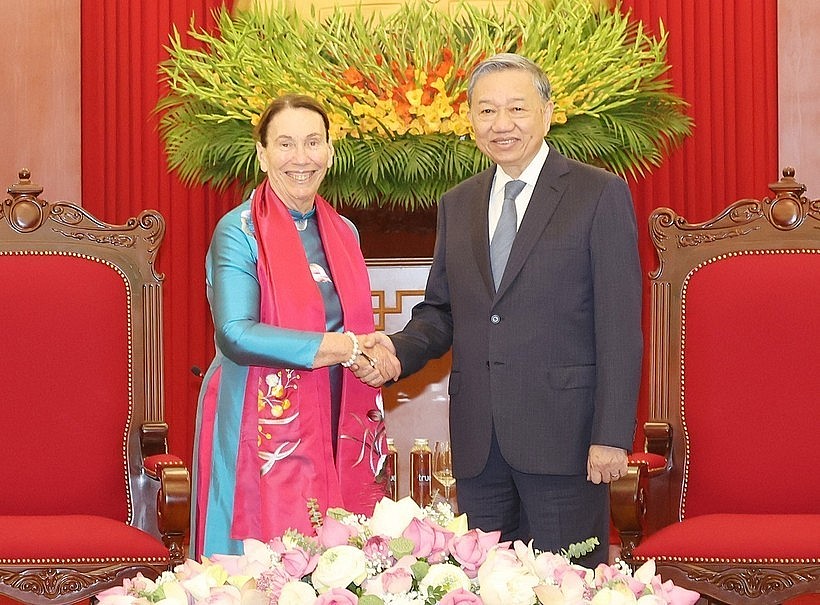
{"x":246,"y":220}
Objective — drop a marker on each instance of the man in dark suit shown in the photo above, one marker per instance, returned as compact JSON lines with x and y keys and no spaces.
{"x":546,"y":364}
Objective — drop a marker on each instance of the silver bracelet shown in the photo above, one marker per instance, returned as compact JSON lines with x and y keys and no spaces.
{"x":356,"y":350}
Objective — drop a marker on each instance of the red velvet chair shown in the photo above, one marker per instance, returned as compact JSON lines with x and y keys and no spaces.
{"x":726,"y":497}
{"x":88,"y":495}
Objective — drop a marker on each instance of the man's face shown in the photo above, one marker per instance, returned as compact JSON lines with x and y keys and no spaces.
{"x":510,"y":119}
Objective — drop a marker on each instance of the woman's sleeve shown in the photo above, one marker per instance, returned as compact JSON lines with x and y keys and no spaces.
{"x":235,"y":303}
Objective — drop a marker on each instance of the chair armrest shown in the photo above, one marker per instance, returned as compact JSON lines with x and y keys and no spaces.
{"x":153,"y":439}
{"x":628,"y":506}
{"x":174,"y":509}
{"x":658,"y":440}
{"x":653,"y":463}
{"x":154,"y":465}
{"x":174,"y":494}
{"x":628,"y":494}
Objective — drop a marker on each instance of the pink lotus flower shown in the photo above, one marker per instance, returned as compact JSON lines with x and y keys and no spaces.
{"x":273,"y":580}
{"x":471,"y":549}
{"x":430,"y":540}
{"x":396,"y":580}
{"x":377,"y":547}
{"x":675,"y":595}
{"x":115,"y":595}
{"x":298,"y":562}
{"x":335,"y":533}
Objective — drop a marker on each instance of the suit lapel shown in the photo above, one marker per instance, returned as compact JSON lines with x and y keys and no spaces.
{"x":479,"y":227}
{"x":548,"y":191}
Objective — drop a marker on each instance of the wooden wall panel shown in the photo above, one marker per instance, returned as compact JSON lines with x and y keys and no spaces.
{"x":40,"y":101}
{"x":798,"y":71}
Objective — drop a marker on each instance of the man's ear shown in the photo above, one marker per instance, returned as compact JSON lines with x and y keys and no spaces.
{"x":548,"y":109}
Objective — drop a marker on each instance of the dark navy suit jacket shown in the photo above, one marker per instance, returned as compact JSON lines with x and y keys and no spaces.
{"x":552,"y":360}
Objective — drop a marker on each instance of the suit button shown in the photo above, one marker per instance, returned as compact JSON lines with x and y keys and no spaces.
{"x":494,"y":318}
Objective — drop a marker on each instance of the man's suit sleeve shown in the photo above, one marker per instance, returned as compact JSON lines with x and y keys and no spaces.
{"x":617,"y":288}
{"x":429,"y":333}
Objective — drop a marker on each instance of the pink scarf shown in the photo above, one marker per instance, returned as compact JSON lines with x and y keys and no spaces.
{"x":285,"y":452}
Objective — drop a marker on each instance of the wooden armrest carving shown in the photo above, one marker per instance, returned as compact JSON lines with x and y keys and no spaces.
{"x":153,"y":439}
{"x":174,"y":495}
{"x":629,"y":493}
{"x":174,"y":509}
{"x":658,"y":439}
{"x":628,"y":504}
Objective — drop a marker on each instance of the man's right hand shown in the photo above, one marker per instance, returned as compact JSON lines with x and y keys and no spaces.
{"x":386,"y":366}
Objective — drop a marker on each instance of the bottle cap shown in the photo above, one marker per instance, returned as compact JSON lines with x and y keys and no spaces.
{"x":390,"y":441}
{"x":421,"y":442}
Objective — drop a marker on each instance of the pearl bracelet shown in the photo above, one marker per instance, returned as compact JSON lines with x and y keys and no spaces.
{"x":356,"y":350}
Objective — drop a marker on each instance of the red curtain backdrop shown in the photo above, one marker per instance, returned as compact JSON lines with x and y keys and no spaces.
{"x":723,"y":56}
{"x":124,"y":171}
{"x":723,"y":62}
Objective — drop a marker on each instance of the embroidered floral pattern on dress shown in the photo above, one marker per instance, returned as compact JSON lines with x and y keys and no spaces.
{"x":372,"y":442}
{"x":274,"y":407}
{"x":319,"y":274}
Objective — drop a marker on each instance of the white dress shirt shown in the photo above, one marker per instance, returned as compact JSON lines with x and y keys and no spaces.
{"x":500,"y":180}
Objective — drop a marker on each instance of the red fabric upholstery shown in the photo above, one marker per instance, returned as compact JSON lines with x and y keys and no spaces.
{"x":79,"y":380}
{"x":154,"y":464}
{"x":76,"y":537}
{"x":768,"y":462}
{"x":730,"y":537}
{"x":654,"y":462}
{"x":806,"y":599}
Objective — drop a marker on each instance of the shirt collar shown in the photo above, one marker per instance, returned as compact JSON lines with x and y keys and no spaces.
{"x":530,"y":173}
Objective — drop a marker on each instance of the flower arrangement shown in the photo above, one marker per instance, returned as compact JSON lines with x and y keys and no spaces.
{"x":402,"y":555}
{"x":396,"y":87}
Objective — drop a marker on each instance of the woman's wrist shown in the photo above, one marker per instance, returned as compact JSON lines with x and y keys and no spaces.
{"x":357,"y":350}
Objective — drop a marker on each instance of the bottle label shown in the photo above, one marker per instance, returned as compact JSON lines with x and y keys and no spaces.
{"x":420,"y":466}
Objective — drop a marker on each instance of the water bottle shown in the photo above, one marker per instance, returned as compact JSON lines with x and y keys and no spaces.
{"x":392,"y":469}
{"x":420,"y":471}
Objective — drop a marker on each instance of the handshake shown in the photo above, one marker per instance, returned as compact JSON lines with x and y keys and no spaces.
{"x":378,"y":350}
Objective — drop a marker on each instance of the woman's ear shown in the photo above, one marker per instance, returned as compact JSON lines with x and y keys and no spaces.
{"x":260,"y":156}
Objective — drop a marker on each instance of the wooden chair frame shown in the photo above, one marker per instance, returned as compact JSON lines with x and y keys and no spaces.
{"x":651,"y":496}
{"x":158,"y":484}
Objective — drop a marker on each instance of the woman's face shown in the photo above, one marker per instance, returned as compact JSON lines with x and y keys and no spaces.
{"x":296,"y":157}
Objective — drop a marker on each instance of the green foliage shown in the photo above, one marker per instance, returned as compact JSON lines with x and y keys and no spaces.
{"x":434,"y":595}
{"x":613,"y":105}
{"x":579,"y":549}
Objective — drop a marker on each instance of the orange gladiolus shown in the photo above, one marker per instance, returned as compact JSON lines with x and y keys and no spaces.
{"x":443,"y":68}
{"x":353,"y":76}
